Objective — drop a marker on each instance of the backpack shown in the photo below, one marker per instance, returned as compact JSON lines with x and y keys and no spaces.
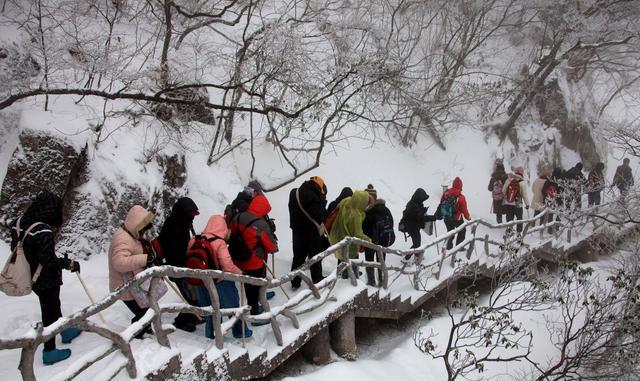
{"x":549,"y":190}
{"x":447,"y":208}
{"x":402,"y":225}
{"x":496,"y":192}
{"x":238,"y":248}
{"x":200,"y":257}
{"x":383,"y":233}
{"x":15,"y":278}
{"x":513,"y":192}
{"x":330,"y":219}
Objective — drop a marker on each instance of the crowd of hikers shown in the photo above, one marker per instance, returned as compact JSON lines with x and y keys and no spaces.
{"x":240,"y":240}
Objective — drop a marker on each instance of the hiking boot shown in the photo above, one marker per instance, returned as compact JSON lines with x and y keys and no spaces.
{"x":55,"y":355}
{"x":69,"y":334}
{"x":270,"y":295}
{"x":237,"y":331}
{"x":184,"y":326}
{"x":406,"y":259}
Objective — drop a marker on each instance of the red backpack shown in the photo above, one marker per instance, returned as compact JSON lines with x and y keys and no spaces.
{"x":200,"y":256}
{"x":513,"y":192}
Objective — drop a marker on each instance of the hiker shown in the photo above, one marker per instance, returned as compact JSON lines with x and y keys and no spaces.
{"x":595,"y":185}
{"x":173,"y":240}
{"x":574,"y":180}
{"x":215,"y":234}
{"x":414,"y":218}
{"x":498,"y":178}
{"x":36,"y":230}
{"x":623,"y":178}
{"x":127,"y":258}
{"x":515,"y":196}
{"x":348,"y":223}
{"x":378,"y":224}
{"x":306,"y":215}
{"x":259,"y":239}
{"x":346,"y":192}
{"x":537,"y":195}
{"x":452,"y":208}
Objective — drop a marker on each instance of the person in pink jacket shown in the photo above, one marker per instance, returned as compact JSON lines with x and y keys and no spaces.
{"x":216,"y":232}
{"x":127,"y":256}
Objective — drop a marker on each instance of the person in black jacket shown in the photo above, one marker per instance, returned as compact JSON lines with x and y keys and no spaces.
{"x":414,"y":217}
{"x":174,"y":239}
{"x":39,"y":249}
{"x":574,"y":180}
{"x":378,"y":224}
{"x":346,"y":192}
{"x":307,"y":231}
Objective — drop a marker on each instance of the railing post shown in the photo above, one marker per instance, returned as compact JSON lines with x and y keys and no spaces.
{"x":267,"y":308}
{"x":27,"y":356}
{"x":216,"y":315}
{"x":416,"y":275}
{"x":161,"y":334}
{"x":441,"y":261}
{"x":383,"y":272}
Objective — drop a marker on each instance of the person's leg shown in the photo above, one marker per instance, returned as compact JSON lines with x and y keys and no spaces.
{"x":518,"y":214}
{"x":204,"y":300}
{"x":450,"y":226}
{"x":460,"y":236}
{"x":316,"y":269}
{"x":590,"y":199}
{"x":416,"y":241}
{"x":138,"y":313}
{"x":50,"y":311}
{"x":370,"y":256}
{"x":253,"y":292}
{"x":299,"y":257}
{"x":509,"y":209}
{"x":185,"y":321}
{"x":597,"y":198}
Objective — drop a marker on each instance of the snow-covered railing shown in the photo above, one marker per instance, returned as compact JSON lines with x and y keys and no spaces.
{"x":317,"y":294}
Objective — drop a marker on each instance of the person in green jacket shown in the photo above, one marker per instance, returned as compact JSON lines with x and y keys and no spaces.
{"x":348,"y":223}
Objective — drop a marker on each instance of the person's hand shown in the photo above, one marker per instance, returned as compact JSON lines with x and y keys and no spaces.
{"x":74,"y":266}
{"x":151,"y":258}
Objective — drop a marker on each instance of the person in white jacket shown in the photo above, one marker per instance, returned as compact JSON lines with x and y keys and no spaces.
{"x":538,"y":202}
{"x":515,"y":196}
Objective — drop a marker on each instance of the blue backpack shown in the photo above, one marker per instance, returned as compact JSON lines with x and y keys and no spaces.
{"x":447,"y":207}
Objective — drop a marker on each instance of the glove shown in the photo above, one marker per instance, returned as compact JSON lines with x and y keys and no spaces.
{"x":68,"y":264}
{"x":151,"y":258}
{"x":526,"y":207}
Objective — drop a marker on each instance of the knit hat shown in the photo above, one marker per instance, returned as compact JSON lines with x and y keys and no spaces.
{"x":520,"y":170}
{"x":318,"y":180}
{"x":372,"y":192}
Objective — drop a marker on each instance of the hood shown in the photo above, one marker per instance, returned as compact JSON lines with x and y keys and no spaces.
{"x":419,"y":196}
{"x":345,"y":192}
{"x":515,"y":176}
{"x":216,"y":226}
{"x":457,"y":183}
{"x":46,"y":207}
{"x":137,"y":218}
{"x":185,"y":206}
{"x":359,"y":200}
{"x":259,"y":206}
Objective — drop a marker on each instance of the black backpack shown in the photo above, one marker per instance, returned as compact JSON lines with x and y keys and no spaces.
{"x":238,"y":248}
{"x":383,"y":233}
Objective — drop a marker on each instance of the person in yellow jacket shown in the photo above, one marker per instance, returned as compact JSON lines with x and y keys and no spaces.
{"x":348,"y":223}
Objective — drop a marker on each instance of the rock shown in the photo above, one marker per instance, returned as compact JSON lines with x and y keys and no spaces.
{"x":41,"y":161}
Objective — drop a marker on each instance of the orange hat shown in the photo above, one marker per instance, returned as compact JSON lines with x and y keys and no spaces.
{"x":318,"y":180}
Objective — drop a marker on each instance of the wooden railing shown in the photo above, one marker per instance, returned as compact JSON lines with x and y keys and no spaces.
{"x":315,"y":295}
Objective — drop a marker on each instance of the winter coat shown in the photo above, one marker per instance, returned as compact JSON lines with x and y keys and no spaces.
{"x":414,"y":213}
{"x":258,"y":237}
{"x":523,"y":197}
{"x":538,"y":203}
{"x":623,"y":178}
{"x":126,"y":254}
{"x":574,"y":179}
{"x":377,"y":212}
{"x":595,"y":181}
{"x":39,"y":245}
{"x":313,"y":202}
{"x":498,"y":175}
{"x":346,"y":192}
{"x":176,"y":231}
{"x":217,"y":228}
{"x":348,"y":222}
{"x":461,"y":202}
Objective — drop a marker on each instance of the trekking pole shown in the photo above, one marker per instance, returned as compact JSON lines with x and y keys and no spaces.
{"x":93,"y":301}
{"x":177,"y":292}
{"x":273,"y":277}
{"x":243,"y":300}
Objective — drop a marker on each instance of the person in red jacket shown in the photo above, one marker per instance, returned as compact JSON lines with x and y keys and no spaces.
{"x":259,"y":238}
{"x":459,"y":211}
